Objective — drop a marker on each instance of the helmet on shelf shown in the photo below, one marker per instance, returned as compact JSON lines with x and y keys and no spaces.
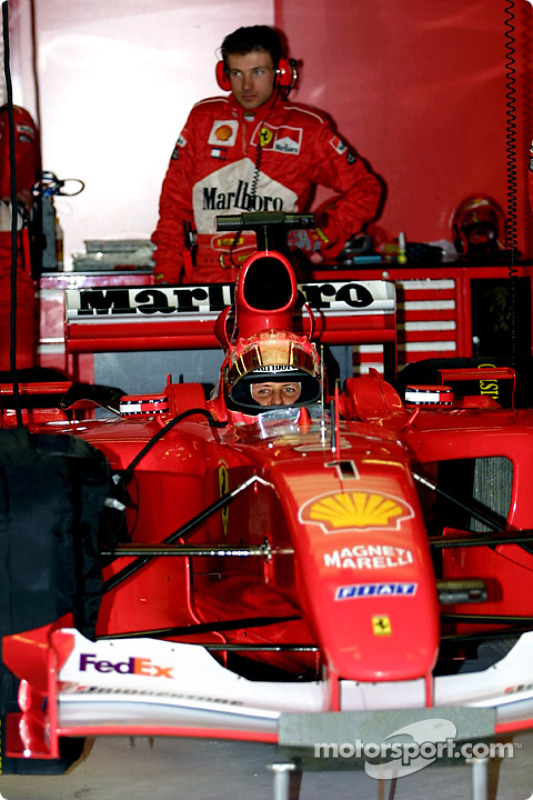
{"x":478,"y":226}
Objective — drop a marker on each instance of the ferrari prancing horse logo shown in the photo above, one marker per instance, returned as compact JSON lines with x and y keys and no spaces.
{"x":223,"y":484}
{"x":381,"y":626}
{"x":265,"y":137}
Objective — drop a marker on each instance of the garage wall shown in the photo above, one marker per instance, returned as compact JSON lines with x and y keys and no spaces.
{"x":116,"y":80}
{"x":417,"y":87}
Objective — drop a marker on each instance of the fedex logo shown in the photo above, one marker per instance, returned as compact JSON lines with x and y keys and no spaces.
{"x":133,"y":666}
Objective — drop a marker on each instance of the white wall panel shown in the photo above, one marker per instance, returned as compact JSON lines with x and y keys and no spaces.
{"x":116,"y":80}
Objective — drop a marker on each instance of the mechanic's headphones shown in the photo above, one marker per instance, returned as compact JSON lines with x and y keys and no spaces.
{"x":286,"y":75}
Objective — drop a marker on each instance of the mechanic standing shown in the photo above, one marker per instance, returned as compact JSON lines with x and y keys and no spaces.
{"x":255,"y":151}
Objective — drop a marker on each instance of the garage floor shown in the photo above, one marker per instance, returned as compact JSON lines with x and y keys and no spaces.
{"x":190,"y":769}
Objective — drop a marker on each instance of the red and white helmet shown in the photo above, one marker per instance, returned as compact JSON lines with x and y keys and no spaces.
{"x":478,"y":226}
{"x":275,"y":356}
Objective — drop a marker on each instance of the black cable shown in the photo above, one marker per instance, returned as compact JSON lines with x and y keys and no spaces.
{"x":127,"y":474}
{"x":257,"y":166}
{"x":256,"y":175}
{"x":252,"y":194}
{"x":511,"y":232}
{"x":14,"y":218}
{"x":49,"y":185}
{"x":35,"y":72}
{"x":510,"y":149}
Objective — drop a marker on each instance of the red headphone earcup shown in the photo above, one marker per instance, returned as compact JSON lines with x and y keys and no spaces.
{"x":222,"y":77}
{"x":286,"y":73}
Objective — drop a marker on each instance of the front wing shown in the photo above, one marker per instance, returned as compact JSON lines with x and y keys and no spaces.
{"x":147,"y":687}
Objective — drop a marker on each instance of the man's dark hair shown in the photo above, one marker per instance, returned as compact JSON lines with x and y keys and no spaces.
{"x":256,"y":37}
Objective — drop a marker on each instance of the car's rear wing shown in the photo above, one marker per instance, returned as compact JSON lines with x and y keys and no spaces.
{"x":118,"y":319}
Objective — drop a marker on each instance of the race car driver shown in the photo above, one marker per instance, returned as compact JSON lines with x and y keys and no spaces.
{"x":268,"y":370}
{"x":269,"y":393}
{"x":254,"y":151}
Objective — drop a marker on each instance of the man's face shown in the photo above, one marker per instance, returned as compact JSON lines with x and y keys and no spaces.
{"x":270,"y":393}
{"x":251,"y":77}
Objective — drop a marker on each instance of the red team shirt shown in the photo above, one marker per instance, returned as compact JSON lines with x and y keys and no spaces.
{"x":228,"y":160}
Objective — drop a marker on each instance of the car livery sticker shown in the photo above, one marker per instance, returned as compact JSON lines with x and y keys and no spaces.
{"x":376,"y":590}
{"x":130,"y":666}
{"x":522,"y":687}
{"x":360,"y":556}
{"x":345,"y":469}
{"x":338,"y":298}
{"x":337,"y":511}
{"x":381,"y":626}
{"x":139,"y":404}
{"x":223,"y":485}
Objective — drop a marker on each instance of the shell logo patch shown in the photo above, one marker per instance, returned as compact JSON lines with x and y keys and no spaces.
{"x":362,"y":510}
{"x":223,"y":133}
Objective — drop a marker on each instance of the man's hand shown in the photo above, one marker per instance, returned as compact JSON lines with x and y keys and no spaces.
{"x":308,"y":241}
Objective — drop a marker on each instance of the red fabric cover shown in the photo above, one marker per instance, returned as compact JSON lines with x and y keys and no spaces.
{"x":26,"y":154}
{"x":27,"y":328}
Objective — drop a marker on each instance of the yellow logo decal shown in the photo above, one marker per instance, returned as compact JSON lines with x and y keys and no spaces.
{"x":265,"y":137}
{"x":381,"y":626}
{"x":361,"y":510}
{"x":224,"y":133}
{"x":223,"y":483}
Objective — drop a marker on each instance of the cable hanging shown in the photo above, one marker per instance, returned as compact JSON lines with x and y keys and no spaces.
{"x":14,"y":218}
{"x":510,"y":149}
{"x":510,"y":137}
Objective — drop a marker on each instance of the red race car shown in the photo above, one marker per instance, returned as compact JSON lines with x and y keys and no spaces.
{"x":280,"y":552}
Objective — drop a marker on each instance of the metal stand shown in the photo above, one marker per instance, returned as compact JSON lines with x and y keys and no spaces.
{"x":480,"y":778}
{"x":479,"y":785}
{"x":300,"y":733}
{"x":282,"y":780}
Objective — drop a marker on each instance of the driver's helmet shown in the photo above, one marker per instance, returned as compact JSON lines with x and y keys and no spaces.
{"x":271,"y":369}
{"x":478,"y":226}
